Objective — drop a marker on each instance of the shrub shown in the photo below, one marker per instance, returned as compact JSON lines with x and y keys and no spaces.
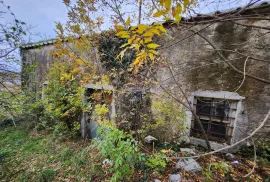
{"x":121,"y":149}
{"x":157,"y":162}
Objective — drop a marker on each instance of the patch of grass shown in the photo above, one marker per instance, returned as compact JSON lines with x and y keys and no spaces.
{"x":66,"y":154}
{"x":27,"y":157}
{"x":47,"y":175}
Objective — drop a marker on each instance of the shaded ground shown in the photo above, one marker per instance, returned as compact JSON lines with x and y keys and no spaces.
{"x":35,"y":157}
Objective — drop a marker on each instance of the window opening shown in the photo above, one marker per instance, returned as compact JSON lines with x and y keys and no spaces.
{"x":217,"y":117}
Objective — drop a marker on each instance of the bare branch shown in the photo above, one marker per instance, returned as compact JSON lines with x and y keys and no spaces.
{"x":8,"y":52}
{"x":255,"y":158}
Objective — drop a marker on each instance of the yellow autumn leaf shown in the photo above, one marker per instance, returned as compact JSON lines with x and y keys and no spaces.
{"x":178,"y":9}
{"x":168,"y":4}
{"x":137,"y":60}
{"x":141,"y":28}
{"x":173,"y":11}
{"x":126,"y":36}
{"x":79,"y":61}
{"x":161,"y":28}
{"x":133,"y":28}
{"x":121,"y":33}
{"x":155,"y":31}
{"x":75,"y":70}
{"x":159,"y":13}
{"x":148,"y":34}
{"x":136,"y":46}
{"x":151,"y":56}
{"x":178,"y":18}
{"x":153,"y":51}
{"x":143,"y":56}
{"x":147,"y":40}
{"x":124,"y":45}
{"x":163,"y":151}
{"x":166,"y":18}
{"x":162,"y":2}
{"x":186,"y":3}
{"x":128,"y":21}
{"x":118,"y":27}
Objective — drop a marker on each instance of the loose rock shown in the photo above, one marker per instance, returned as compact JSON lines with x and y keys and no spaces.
{"x":229,"y":157}
{"x":175,"y":177}
{"x":189,"y":165}
{"x":187,"y":150}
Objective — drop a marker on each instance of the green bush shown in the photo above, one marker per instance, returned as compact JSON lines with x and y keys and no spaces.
{"x":121,"y":149}
{"x":157,"y":162}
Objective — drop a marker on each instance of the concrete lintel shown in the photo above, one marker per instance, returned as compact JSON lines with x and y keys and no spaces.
{"x":218,"y":94}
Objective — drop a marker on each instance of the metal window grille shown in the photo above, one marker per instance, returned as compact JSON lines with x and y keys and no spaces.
{"x":217,"y":117}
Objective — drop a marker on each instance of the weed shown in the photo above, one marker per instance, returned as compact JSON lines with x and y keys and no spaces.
{"x":47,"y":175}
{"x":66,"y":154}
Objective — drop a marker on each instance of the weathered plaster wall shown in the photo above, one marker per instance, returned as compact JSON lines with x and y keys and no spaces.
{"x":42,"y":59}
{"x":198,"y":67}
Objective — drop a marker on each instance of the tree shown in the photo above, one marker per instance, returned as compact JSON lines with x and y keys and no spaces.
{"x":140,"y":38}
{"x":11,"y":36}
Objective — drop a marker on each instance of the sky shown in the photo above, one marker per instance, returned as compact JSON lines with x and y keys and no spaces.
{"x":42,"y":14}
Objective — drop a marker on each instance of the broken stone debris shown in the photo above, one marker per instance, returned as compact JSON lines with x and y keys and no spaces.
{"x":187,"y":150}
{"x":175,"y":177}
{"x":189,"y":165}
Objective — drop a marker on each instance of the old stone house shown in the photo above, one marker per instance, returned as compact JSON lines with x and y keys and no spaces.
{"x":221,"y":60}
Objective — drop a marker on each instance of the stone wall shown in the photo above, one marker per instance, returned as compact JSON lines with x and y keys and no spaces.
{"x":198,"y":67}
{"x":36,"y":62}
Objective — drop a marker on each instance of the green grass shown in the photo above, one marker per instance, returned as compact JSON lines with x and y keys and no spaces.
{"x":30,"y":157}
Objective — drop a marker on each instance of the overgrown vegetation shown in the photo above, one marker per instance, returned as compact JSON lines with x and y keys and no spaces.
{"x":49,"y":148}
{"x":37,"y":157}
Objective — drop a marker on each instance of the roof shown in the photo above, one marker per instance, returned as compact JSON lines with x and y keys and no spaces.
{"x":38,"y":44}
{"x":256,"y":9}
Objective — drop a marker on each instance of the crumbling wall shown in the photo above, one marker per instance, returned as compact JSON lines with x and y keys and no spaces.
{"x":197,"y":66}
